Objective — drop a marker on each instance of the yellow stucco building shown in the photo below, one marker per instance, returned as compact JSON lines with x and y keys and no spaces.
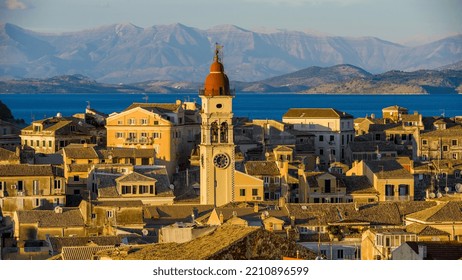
{"x":169,"y":128}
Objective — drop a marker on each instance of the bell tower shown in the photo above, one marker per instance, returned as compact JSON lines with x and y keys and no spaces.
{"x":217,"y":144}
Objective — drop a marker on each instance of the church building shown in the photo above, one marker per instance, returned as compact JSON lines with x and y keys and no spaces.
{"x":217,"y":146}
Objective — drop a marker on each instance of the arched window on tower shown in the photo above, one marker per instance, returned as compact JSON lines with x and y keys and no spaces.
{"x":224,"y":132}
{"x":214,"y":132}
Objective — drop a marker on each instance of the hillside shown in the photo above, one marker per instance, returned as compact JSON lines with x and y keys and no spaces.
{"x":423,"y":81}
{"x":63,"y":84}
{"x":125,"y":53}
{"x":335,"y":79}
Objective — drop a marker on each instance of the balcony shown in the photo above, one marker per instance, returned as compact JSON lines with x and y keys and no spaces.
{"x":142,"y":140}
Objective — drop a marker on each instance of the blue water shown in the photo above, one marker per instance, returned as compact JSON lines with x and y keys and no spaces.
{"x":252,"y":105}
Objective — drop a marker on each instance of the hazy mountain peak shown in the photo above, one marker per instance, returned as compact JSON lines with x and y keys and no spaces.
{"x":127,"y":53}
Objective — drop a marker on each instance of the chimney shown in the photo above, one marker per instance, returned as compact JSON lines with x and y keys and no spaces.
{"x":255,"y":208}
{"x":292,"y":221}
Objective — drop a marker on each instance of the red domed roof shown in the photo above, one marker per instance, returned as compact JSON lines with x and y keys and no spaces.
{"x":217,"y":82}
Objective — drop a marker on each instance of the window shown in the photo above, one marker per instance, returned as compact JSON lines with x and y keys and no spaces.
{"x":156,"y":122}
{"x":242,"y":192}
{"x":377,"y":137}
{"x":340,"y":254}
{"x":321,"y":138}
{"x":143,"y":189}
{"x":331,"y":138}
{"x":57,"y":185}
{"x":119,"y":135}
{"x":389,"y":190}
{"x":277,"y":180}
{"x":37,"y":143}
{"x":144,"y":121}
{"x":50,"y":144}
{"x":454,"y":155}
{"x":445,"y":148}
{"x":156,"y":135}
{"x":37,"y":202}
{"x":403,"y":136}
{"x":151,"y":189}
{"x":2,"y":185}
{"x":93,"y":215}
{"x":20,"y":186}
{"x":126,"y":189}
{"x":424,"y":142}
{"x":254,"y":192}
{"x":403,"y":190}
{"x":76,"y":178}
{"x":131,"y":121}
{"x":327,"y":188}
{"x":454,"y":142}
{"x":321,"y":151}
{"x":109,"y":214}
{"x":266,"y":179}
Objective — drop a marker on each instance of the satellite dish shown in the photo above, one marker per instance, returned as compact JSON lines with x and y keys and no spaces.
{"x":458,"y":187}
{"x":432,"y":195}
{"x":144,"y":232}
{"x":446,"y":189}
{"x":171,"y":186}
{"x":439,"y":195}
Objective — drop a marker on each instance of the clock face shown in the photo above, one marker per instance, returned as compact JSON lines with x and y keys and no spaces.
{"x":221,"y":160}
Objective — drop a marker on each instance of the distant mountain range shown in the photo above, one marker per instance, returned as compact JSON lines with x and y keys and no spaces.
{"x":336,"y":79}
{"x":124,"y":53}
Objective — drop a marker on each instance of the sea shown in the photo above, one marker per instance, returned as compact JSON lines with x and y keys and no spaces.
{"x":252,"y":105}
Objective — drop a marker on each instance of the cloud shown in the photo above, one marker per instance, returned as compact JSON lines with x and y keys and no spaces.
{"x":14,"y":5}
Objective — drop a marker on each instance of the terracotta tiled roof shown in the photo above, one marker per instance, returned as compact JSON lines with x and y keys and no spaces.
{"x":80,"y":152}
{"x":125,"y":152}
{"x":262,"y":168}
{"x":438,"y":250}
{"x":14,"y":170}
{"x":82,"y":252}
{"x":57,"y":243}
{"x":135,"y":177}
{"x":425,"y":230}
{"x":283,"y":149}
{"x":160,"y":107}
{"x":358,"y":185}
{"x":375,"y":214}
{"x":450,"y":211}
{"x":159,"y":173}
{"x":394,"y":107}
{"x":226,"y":242}
{"x":388,"y":169}
{"x":49,"y":218}
{"x":8,"y":155}
{"x":448,"y":132}
{"x":315,"y":113}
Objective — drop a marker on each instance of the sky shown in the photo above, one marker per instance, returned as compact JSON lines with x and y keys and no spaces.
{"x":407,"y":22}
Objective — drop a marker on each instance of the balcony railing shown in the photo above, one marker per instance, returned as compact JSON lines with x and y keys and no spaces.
{"x":399,"y":198}
{"x":143,"y":140}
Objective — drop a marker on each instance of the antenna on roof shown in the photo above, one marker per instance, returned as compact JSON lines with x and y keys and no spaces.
{"x":145,"y":97}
